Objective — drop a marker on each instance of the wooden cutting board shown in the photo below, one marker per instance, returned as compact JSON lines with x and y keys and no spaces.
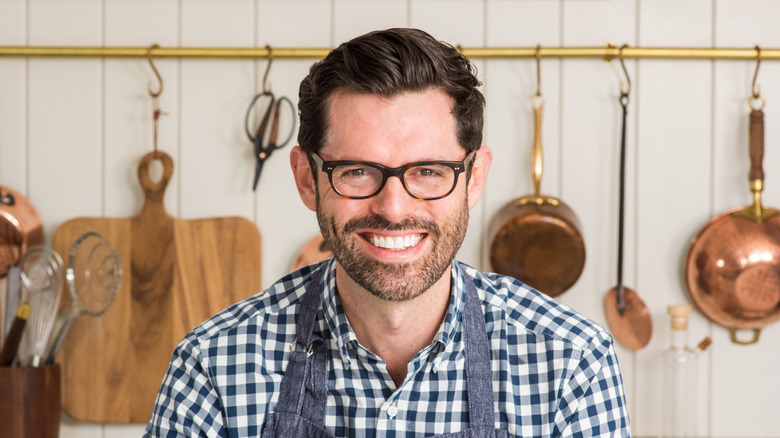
{"x":176,"y":274}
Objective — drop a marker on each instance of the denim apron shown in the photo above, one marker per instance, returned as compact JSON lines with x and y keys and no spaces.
{"x":300,"y":411}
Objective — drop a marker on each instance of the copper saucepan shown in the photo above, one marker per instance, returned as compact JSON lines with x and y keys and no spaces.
{"x":537,"y":238}
{"x":20,"y":227}
{"x":314,"y":251}
{"x":732,"y":270}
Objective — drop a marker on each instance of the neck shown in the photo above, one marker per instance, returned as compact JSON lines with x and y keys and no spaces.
{"x":395,"y":331}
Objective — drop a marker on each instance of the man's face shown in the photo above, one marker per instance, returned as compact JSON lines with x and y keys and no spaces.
{"x":392,"y":245}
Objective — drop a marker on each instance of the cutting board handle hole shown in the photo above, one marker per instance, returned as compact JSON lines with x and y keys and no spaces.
{"x":156,"y":170}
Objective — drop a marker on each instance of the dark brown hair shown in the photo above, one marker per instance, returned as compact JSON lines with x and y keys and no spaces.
{"x":388,"y":63}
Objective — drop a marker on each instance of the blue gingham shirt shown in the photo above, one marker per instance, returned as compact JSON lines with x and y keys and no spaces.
{"x":555,"y":373}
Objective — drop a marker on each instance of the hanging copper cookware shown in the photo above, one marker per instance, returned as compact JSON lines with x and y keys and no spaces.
{"x":314,"y":251}
{"x":537,"y":238}
{"x":20,"y":227}
{"x":732,"y":270}
{"x":627,"y":315}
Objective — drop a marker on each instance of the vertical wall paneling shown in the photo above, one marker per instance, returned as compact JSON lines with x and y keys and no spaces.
{"x":214,"y":154}
{"x":65,"y":114}
{"x":64,"y":125}
{"x":591,"y":116}
{"x":356,"y":17}
{"x":13,"y":104}
{"x":674,"y":114}
{"x":509,"y":87}
{"x":285,"y":227}
{"x":459,"y":23}
{"x":744,"y":383}
{"x":128,"y":105}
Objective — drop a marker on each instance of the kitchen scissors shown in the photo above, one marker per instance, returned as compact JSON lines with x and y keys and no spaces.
{"x":265,"y":138}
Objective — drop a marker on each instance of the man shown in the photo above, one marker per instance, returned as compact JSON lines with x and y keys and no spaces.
{"x":393,"y":337}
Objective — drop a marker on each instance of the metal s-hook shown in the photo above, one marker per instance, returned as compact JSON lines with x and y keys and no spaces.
{"x":156,"y":72}
{"x":266,"y":86}
{"x":624,"y":93}
{"x":538,"y":71}
{"x":754,"y":88}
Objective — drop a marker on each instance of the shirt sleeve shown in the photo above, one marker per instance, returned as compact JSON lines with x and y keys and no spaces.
{"x":187,"y":404}
{"x":593,"y":402}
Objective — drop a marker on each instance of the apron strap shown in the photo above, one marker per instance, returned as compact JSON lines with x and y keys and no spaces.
{"x":304,"y":389}
{"x":479,"y":374}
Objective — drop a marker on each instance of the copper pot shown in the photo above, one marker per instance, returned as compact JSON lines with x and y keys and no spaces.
{"x":732,"y":270}
{"x":20,"y":227}
{"x":314,"y":251}
{"x":537,"y":238}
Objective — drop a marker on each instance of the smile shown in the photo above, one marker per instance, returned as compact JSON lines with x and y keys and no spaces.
{"x":398,"y":243}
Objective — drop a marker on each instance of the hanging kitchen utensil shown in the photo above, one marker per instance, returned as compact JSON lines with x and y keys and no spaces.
{"x":266,"y":135}
{"x":20,"y":227}
{"x":93,"y":276}
{"x":13,"y":291}
{"x":178,"y":273}
{"x":537,"y":238}
{"x":42,"y":273}
{"x":39,"y":273}
{"x":732,"y":269}
{"x":627,"y":316}
{"x":314,"y":251}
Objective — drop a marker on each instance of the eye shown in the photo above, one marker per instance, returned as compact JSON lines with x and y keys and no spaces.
{"x":426,"y":172}
{"x":353,"y":173}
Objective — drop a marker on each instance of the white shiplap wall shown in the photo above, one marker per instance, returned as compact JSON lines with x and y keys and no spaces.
{"x":72,"y":132}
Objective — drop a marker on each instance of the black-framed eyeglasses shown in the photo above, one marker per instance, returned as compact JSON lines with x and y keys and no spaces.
{"x":425,"y":180}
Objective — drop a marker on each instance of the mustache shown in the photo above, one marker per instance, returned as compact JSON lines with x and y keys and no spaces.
{"x":380,"y":223}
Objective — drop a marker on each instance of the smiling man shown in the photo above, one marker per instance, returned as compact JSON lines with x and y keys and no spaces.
{"x":393,"y":337}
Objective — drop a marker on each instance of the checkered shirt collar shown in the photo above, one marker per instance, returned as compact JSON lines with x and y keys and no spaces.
{"x":345,"y":336}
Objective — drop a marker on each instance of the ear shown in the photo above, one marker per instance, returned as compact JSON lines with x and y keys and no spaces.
{"x":304,"y":180}
{"x":479,"y":174}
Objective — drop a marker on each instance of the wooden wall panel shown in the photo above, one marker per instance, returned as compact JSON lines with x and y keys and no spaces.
{"x":744,"y":382}
{"x":215,"y":162}
{"x":286,"y":226}
{"x":509,"y":86}
{"x":355,"y":17}
{"x":591,"y":118}
{"x":64,"y":115}
{"x":460,"y":23}
{"x":674,"y":151}
{"x":13,"y":99}
{"x":128,"y":115}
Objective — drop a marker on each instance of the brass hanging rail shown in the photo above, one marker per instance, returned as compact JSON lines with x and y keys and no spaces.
{"x":608,"y":52}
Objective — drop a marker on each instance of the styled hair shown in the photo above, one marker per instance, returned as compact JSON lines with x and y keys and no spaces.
{"x":389,"y":63}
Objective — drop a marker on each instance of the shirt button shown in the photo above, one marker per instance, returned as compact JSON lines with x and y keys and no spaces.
{"x":392,"y":411}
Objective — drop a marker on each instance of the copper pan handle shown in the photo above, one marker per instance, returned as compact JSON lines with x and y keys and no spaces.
{"x":756,"y":145}
{"x":537,"y":159}
{"x":734,"y":339}
{"x":756,"y":174}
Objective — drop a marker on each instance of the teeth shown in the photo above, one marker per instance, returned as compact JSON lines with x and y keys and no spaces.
{"x":396,"y":243}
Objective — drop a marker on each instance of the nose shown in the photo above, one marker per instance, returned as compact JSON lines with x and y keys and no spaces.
{"x":393,"y":202}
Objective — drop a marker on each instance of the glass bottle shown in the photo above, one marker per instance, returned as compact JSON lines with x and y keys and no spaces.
{"x":678,"y":410}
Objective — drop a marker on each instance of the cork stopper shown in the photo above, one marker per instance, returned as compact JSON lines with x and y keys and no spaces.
{"x":679,"y":314}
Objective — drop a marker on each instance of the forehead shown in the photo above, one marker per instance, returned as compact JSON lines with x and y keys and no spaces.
{"x":412,"y":126}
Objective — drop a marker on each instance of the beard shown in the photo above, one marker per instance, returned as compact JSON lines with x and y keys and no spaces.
{"x":400,"y":281}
